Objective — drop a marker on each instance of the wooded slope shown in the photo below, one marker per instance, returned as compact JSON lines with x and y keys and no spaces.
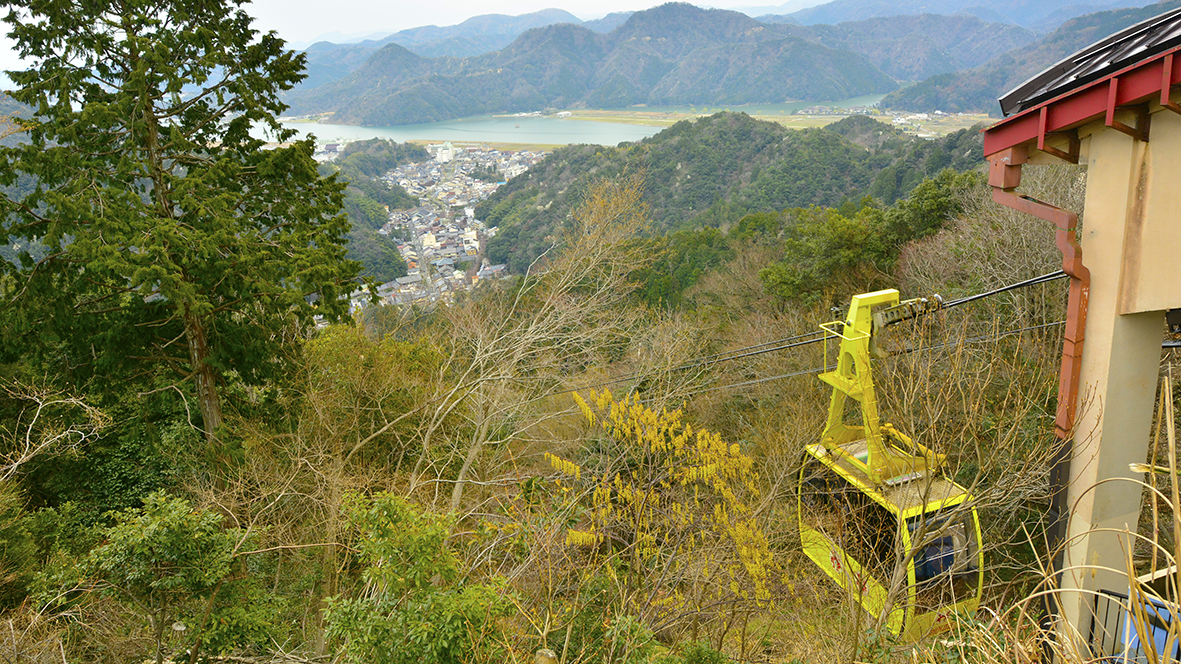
{"x":713,"y":171}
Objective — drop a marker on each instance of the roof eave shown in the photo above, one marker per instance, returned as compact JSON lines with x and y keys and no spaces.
{"x":1139,"y":83}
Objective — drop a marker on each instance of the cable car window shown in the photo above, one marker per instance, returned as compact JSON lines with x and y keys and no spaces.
{"x":946,"y":555}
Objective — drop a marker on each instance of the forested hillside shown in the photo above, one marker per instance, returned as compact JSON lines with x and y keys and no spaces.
{"x":368,"y":201}
{"x":977,"y":89}
{"x":672,"y":54}
{"x":916,"y":47}
{"x":715,"y":170}
{"x":205,"y":458}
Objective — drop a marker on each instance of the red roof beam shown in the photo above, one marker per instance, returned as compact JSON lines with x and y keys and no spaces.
{"x":1134,"y":84}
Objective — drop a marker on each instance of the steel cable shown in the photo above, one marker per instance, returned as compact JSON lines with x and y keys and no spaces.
{"x":759,"y":349}
{"x":1020,"y":284}
{"x":909,"y":350}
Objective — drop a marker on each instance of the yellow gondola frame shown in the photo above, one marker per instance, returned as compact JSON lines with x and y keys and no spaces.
{"x":896,"y":473}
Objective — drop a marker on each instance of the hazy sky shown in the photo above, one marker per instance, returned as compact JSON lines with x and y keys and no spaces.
{"x":302,"y":21}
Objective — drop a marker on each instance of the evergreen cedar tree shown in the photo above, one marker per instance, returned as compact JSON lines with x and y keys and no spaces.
{"x":178,"y":247}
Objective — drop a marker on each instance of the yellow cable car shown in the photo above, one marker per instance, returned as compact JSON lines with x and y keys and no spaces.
{"x":875,"y":511}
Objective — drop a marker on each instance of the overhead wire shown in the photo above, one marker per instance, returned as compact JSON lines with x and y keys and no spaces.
{"x":791,"y":342}
{"x":918,"y":349}
{"x":756,"y":381}
{"x":1014,"y":286}
{"x":716,"y":358}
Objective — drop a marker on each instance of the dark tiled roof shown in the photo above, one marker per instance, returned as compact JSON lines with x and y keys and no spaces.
{"x":1097,"y":60}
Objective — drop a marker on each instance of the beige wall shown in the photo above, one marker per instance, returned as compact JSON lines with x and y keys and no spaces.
{"x":1131,"y":239}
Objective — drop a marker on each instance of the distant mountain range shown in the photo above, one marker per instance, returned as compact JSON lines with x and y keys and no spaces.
{"x":916,"y":47}
{"x":903,"y":46}
{"x":978,"y":89}
{"x":329,"y":62}
{"x":679,"y":54}
{"x":1038,"y":15}
{"x":672,"y":54}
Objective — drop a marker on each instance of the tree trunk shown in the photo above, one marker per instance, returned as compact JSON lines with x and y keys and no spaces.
{"x":329,"y":584}
{"x":208,"y":399}
{"x":158,"y":632}
{"x":479,"y":438}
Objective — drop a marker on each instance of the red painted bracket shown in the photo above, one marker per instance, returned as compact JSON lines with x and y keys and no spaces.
{"x":1072,"y":152}
{"x":1140,"y":131}
{"x":1166,"y":85}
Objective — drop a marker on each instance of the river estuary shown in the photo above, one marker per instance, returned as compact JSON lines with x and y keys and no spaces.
{"x":541,"y":130}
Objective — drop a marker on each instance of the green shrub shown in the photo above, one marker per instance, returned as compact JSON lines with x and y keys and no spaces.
{"x":417,"y":607}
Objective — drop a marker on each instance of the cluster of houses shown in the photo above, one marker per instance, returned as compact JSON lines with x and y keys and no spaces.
{"x":447,"y":180}
{"x":829,"y":110}
{"x":443,"y":258}
{"x":444,"y":250}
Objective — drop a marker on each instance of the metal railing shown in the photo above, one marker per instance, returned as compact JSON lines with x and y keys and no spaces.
{"x":1115,"y":638}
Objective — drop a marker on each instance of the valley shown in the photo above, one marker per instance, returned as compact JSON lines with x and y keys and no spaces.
{"x":920,"y":124}
{"x":566,"y":338}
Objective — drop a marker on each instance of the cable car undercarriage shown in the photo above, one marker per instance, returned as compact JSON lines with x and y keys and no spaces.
{"x":876,"y":512}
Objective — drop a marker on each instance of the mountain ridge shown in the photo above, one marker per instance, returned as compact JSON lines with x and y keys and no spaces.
{"x":672,"y":54}
{"x":712,"y":171}
{"x":329,"y":61}
{"x":977,"y":89}
{"x":1021,"y":12}
{"x":905,"y":48}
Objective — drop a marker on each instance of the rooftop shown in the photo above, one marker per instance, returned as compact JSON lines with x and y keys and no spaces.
{"x":1104,"y":57}
{"x":1128,"y":70}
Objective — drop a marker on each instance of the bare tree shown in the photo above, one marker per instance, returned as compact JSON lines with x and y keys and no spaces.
{"x":48,"y":421}
{"x":511,"y":349}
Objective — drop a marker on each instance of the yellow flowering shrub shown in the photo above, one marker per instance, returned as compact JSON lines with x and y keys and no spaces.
{"x":674,"y":504}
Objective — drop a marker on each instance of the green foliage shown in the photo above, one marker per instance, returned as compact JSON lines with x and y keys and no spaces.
{"x":826,"y":251}
{"x":62,"y":530}
{"x":375,"y":156}
{"x":420,"y":608}
{"x":629,"y":641}
{"x":165,"y":563}
{"x":930,"y":205}
{"x":178,"y":243}
{"x":718,"y":170}
{"x":758,"y":227}
{"x":377,"y":253}
{"x":829,"y":253}
{"x":161,"y":557}
{"x":700,"y":652}
{"x":18,"y":559}
{"x":245,"y":615}
{"x":682,"y":257}
{"x":164,"y":551}
{"x":64,"y":536}
{"x":358,"y":388}
{"x":150,"y":447}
